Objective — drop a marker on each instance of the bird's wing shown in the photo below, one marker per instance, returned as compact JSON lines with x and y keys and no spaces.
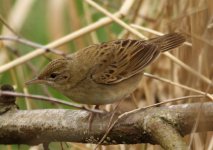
{"x":123,"y":59}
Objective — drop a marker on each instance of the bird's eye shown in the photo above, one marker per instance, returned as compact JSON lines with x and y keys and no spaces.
{"x":65,"y":76}
{"x":53,"y":75}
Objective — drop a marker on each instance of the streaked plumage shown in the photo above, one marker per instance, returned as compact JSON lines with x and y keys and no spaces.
{"x":107,"y":72}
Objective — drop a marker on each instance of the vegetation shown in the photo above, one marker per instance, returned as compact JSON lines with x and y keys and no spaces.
{"x":48,"y":22}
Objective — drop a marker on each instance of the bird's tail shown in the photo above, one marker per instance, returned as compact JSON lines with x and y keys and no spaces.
{"x":169,"y":41}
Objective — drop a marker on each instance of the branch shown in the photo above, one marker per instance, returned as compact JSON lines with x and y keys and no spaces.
{"x":158,"y":125}
{"x":44,"y":126}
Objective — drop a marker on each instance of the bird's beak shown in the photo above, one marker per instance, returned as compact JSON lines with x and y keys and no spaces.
{"x":34,"y":81}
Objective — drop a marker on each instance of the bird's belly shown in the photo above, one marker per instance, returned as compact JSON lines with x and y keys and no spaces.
{"x":99,"y":94}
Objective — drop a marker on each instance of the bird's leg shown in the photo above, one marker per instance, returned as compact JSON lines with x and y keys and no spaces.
{"x":91,"y":117}
{"x":134,"y":100}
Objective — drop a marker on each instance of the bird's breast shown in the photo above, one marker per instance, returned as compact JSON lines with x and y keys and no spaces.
{"x":89,"y":92}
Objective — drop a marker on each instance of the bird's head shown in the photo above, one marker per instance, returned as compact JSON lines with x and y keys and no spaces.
{"x":55,"y":74}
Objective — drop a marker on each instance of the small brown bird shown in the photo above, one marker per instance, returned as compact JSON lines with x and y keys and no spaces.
{"x":107,"y":72}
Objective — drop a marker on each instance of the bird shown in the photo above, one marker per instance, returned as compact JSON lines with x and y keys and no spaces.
{"x":107,"y":72}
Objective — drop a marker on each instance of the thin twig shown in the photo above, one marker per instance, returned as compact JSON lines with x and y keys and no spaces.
{"x":100,"y":23}
{"x":195,"y":126}
{"x":49,"y":99}
{"x":174,"y":100}
{"x":3,"y":21}
{"x":32,"y":44}
{"x":57,"y":43}
{"x":178,"y":85}
{"x":198,"y":117}
{"x":17,"y":15}
{"x":188,"y":68}
{"x":17,"y":54}
{"x":114,"y":18}
{"x":109,"y":124}
{"x":126,"y":7}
